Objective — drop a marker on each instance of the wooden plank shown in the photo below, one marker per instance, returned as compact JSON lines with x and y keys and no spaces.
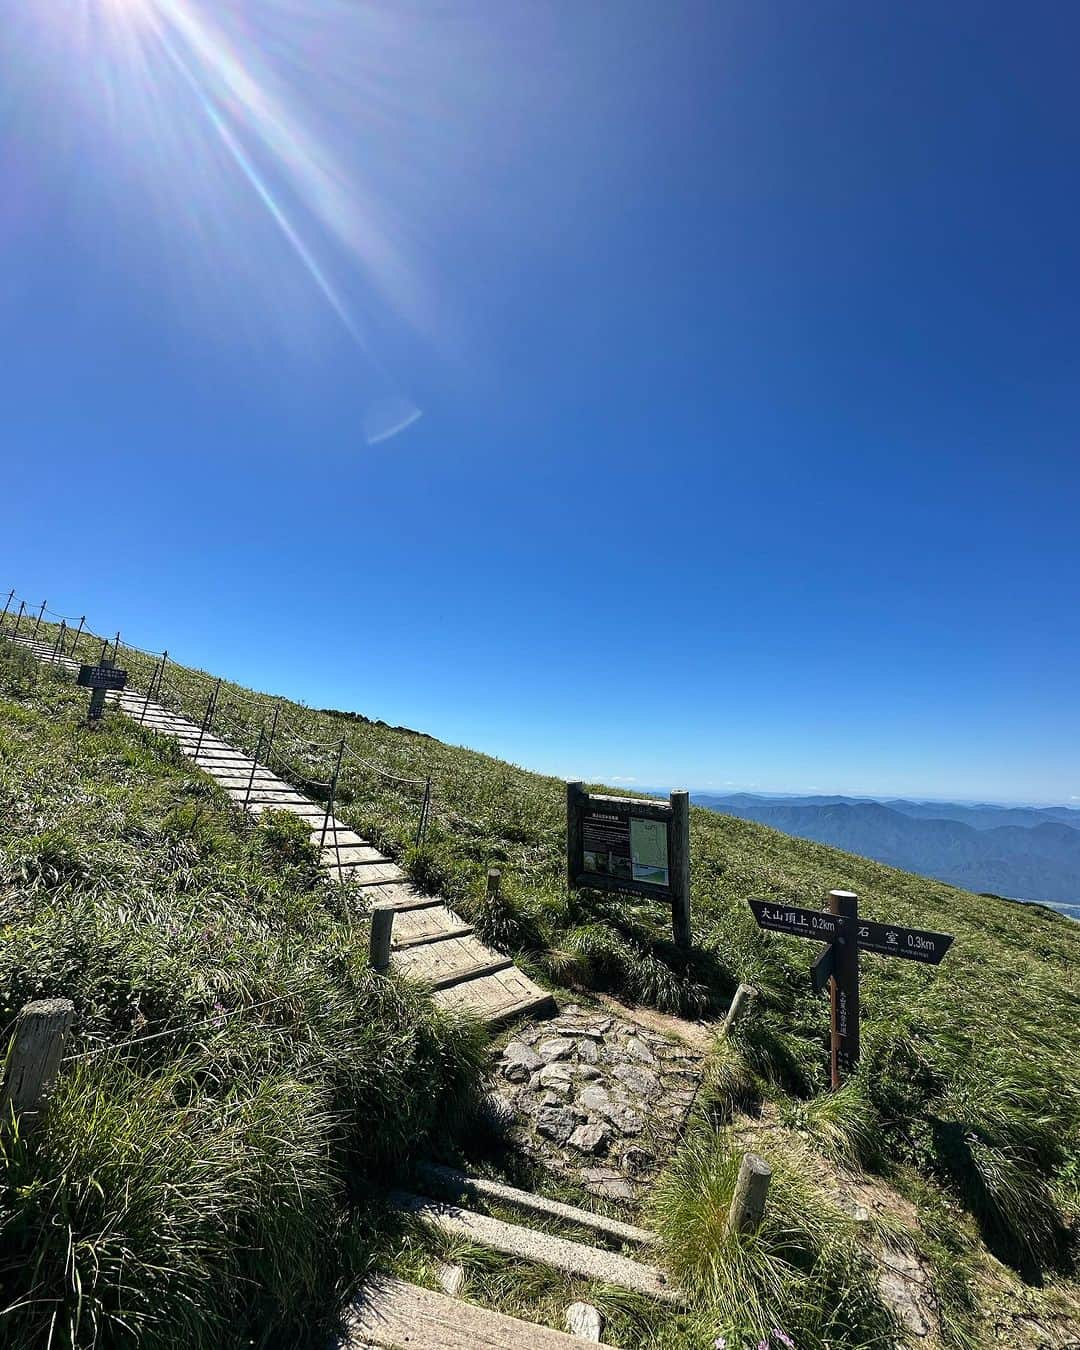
{"x":528,"y":1244}
{"x":390,"y":1312}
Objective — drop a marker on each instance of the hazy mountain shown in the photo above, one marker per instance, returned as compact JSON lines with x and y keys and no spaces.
{"x":1028,"y":852}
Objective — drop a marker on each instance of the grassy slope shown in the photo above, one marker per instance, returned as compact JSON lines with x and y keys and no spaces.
{"x":192,"y":1189}
{"x":969,"y":1094}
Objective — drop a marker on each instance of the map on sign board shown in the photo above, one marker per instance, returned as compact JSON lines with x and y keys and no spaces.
{"x":628,"y":848}
{"x":649,"y":850}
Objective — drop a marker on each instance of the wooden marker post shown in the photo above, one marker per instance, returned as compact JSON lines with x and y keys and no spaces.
{"x":40,"y":1035}
{"x":751,"y":1189}
{"x":382,"y":928}
{"x":844,"y":988}
{"x":98,"y":679}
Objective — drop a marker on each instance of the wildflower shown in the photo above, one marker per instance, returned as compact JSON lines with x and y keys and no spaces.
{"x":783,"y":1338}
{"x":720,"y":1343}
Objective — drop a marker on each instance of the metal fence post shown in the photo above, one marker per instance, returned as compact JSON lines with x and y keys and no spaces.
{"x":41,"y":611}
{"x":208,"y":718}
{"x":58,"y":645}
{"x":11,"y":596}
{"x":18,"y":620}
{"x":161,"y":672}
{"x":254,"y":766}
{"x":330,"y":808}
{"x":116,"y":647}
{"x":78,"y":634}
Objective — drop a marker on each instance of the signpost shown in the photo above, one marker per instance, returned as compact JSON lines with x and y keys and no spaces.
{"x":838,"y":965}
{"x":98,"y":679}
{"x":632,"y":844}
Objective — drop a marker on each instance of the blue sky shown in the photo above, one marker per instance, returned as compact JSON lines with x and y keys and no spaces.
{"x":659,"y":392}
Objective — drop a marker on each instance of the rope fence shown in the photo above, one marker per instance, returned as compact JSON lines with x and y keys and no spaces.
{"x":302,"y":757}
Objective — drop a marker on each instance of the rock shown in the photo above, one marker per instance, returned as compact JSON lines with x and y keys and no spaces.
{"x":590,"y":1138}
{"x":595,"y":1099}
{"x":639,"y":1050}
{"x":587,"y":1052}
{"x":637,"y":1162}
{"x":450,"y":1277}
{"x":583,"y":1320}
{"x":586,"y":1072}
{"x":556,"y":1048}
{"x":557,"y":1078}
{"x":590,"y":1032}
{"x":643,"y":1082}
{"x":556,"y":1122}
{"x":519,"y":1061}
{"x":625,"y":1119}
{"x":900,"y":1283}
{"x":611,"y":1188}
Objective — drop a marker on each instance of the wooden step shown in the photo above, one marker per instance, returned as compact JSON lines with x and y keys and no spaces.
{"x":440,"y":965}
{"x":498,"y":998}
{"x":449,"y":1184}
{"x":389,"y":1312}
{"x":527,"y":1244}
{"x":403,"y":944}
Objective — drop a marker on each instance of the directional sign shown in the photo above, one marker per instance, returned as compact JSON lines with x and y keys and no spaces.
{"x":102,"y":677}
{"x":838,"y":965}
{"x":823,"y":969}
{"x":807,"y":923}
{"x":911,"y":943}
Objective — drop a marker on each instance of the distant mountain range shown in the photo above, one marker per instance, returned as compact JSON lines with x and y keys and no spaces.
{"x":1022,"y":852}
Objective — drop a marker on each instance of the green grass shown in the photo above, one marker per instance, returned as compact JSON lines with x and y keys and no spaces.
{"x":197,"y":1187}
{"x":970,"y":1081}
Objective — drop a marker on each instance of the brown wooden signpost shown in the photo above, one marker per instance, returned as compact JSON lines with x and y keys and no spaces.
{"x":838,"y":965}
{"x":633,"y":844}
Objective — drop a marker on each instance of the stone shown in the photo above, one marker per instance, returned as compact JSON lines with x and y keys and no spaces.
{"x":519,"y":1062}
{"x":642,"y":1082}
{"x":557,"y":1078}
{"x":587,"y":1052}
{"x":639,"y":1050}
{"x":595,"y":1099}
{"x":625,"y":1119}
{"x":586,"y":1072}
{"x":637,"y":1162}
{"x":559,"y":1047}
{"x":498,"y":1114}
{"x":584,"y":1321}
{"x":590,"y":1032}
{"x":611,"y":1187}
{"x":556,"y":1122}
{"x":450,"y":1277}
{"x":590,"y":1138}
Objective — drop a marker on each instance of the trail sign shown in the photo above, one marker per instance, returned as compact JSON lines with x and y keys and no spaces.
{"x":632,"y":844}
{"x":838,"y":965}
{"x":98,"y":679}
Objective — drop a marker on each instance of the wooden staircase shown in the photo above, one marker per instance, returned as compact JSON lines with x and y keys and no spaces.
{"x":431,"y":944}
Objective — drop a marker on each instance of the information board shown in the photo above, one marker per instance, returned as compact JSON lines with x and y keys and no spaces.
{"x":632,"y":844}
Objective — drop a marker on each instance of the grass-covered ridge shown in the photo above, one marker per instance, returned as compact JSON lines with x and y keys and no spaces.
{"x":205,"y":1185}
{"x":968,"y":1099}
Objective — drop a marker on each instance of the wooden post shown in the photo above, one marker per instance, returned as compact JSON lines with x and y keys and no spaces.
{"x":739,"y":1004}
{"x":97,"y":698}
{"x":575,"y":804}
{"x":751,"y":1189}
{"x":844,"y":1039}
{"x":40,"y":1034}
{"x":494,"y":881}
{"x":679,"y":864}
{"x":382,"y":927}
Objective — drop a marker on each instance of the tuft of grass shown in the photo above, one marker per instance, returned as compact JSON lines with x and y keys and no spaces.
{"x":842,"y":1124}
{"x":801,"y":1273}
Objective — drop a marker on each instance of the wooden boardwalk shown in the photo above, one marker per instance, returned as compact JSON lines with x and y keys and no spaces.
{"x":430,"y":944}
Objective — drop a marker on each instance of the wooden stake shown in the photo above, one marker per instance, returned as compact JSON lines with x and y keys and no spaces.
{"x":751,"y":1190}
{"x":744,"y":995}
{"x":679,"y":868}
{"x":844,"y":1040}
{"x":494,"y":880}
{"x":382,"y":927}
{"x":40,"y":1034}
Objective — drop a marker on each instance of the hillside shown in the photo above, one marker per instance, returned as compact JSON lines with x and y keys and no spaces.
{"x":967,"y":1103}
{"x":1025,"y":852}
